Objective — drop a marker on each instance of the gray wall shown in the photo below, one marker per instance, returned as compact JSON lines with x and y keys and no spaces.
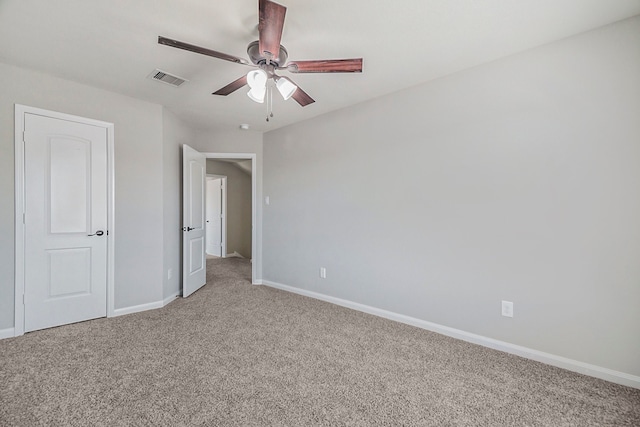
{"x":515,"y":180}
{"x":138,"y":178}
{"x":238,"y":206}
{"x":175,"y":134}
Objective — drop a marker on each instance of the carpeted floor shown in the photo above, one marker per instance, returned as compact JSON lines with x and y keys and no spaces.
{"x":234,"y":354}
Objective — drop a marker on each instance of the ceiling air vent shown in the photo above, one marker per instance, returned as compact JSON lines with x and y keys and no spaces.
{"x":164,"y":77}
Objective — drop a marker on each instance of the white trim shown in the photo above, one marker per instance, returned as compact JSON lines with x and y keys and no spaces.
{"x":7,"y":333}
{"x":255,"y":255}
{"x":171,"y":298}
{"x":528,"y":353}
{"x":235,"y":254}
{"x":20,"y":111}
{"x":223,"y":249}
{"x":137,"y":308}
{"x":18,"y":322}
{"x":111,"y":216}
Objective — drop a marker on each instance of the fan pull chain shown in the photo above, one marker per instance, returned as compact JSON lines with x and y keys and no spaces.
{"x":269,"y":102}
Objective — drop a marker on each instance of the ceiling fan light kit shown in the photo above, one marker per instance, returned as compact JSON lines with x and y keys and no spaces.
{"x":257,"y":81}
{"x":257,"y":78}
{"x":286,"y":87}
{"x":257,"y":94}
{"x":267,"y":55}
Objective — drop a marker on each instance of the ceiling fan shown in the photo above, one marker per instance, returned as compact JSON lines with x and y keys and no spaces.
{"x":267,"y":56}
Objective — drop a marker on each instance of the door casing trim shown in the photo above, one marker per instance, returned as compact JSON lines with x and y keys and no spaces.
{"x":19,"y":189}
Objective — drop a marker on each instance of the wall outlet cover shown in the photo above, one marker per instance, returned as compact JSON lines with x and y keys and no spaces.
{"x":507,"y":308}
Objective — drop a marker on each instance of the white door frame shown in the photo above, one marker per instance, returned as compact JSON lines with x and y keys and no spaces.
{"x":223,"y":209}
{"x":20,"y":111}
{"x":254,"y":188}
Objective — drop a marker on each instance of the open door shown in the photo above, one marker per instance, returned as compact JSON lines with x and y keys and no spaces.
{"x":214,"y":217}
{"x":194,"y":173}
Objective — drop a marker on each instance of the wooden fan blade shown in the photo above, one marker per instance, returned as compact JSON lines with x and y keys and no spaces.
{"x":326,"y":66}
{"x":231,"y":87}
{"x":302,"y":97}
{"x":270,"y":25}
{"x":204,"y":51}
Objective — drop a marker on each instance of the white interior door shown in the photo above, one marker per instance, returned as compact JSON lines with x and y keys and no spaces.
{"x":65,"y":252}
{"x":194,"y":271}
{"x":214,"y":217}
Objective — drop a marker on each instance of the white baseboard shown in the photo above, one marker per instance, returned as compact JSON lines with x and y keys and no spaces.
{"x":539,"y":356}
{"x":171,"y":298}
{"x":235,"y":254}
{"x":137,"y":308}
{"x":257,"y":282}
{"x":7,"y":333}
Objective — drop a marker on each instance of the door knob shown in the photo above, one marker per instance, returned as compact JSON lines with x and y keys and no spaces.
{"x":97,"y":233}
{"x":188,"y":228}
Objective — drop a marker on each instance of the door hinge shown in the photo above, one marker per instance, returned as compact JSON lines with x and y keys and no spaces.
{"x":23,"y":218}
{"x":24,"y":301}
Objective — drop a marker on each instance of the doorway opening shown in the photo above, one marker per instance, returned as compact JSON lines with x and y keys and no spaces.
{"x":194,"y":171}
{"x":246,"y":229}
{"x":237,"y":174}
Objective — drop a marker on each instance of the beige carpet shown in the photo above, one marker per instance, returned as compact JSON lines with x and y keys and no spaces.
{"x":234,"y":354}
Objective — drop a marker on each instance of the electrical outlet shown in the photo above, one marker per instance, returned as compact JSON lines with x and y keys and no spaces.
{"x":323,"y":273}
{"x":267,"y":200}
{"x":507,"y":308}
{"x":169,"y":274}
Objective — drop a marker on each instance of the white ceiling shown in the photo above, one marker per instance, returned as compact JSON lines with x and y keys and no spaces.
{"x":113,"y":45}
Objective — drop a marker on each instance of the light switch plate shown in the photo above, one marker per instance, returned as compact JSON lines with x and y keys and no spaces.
{"x":507,"y":308}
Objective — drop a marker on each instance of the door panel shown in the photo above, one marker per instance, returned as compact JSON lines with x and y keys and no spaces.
{"x":65,"y":201}
{"x":196,"y":195}
{"x":196,"y":248}
{"x":193,"y":186}
{"x":69,"y":272}
{"x":214,"y":217}
{"x":69,"y":182}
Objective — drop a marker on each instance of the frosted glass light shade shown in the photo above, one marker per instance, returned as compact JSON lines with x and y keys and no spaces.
{"x":257,"y":81}
{"x":257,"y":94}
{"x":257,"y":78}
{"x":286,"y":87}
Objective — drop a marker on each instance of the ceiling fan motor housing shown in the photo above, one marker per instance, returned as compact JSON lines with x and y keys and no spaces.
{"x":253,"y":50}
